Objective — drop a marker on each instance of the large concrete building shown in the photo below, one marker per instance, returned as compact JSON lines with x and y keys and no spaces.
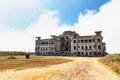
{"x":71,"y":43}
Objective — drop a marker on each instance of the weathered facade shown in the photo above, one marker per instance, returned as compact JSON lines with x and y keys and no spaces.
{"x":71,"y":43}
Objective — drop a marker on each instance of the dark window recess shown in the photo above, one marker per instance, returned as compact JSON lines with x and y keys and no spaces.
{"x":86,"y":53}
{"x":90,"y":40}
{"x":75,"y":36}
{"x":98,"y":40}
{"x":82,"y":47}
{"x":74,"y":41}
{"x":52,"y":42}
{"x":74,"y":47}
{"x":78,"y":41}
{"x":93,"y":40}
{"x":44,"y":42}
{"x":66,"y":48}
{"x":90,"y":53}
{"x":104,"y":48}
{"x":82,"y":41}
{"x":51,"y":48}
{"x":99,"y":47}
{"x":86,"y":47}
{"x":98,"y":53}
{"x":49,"y":42}
{"x":82,"y":53}
{"x":94,"y":53}
{"x":86,"y":40}
{"x":90,"y":47}
{"x":67,"y":37}
{"x":67,"y":43}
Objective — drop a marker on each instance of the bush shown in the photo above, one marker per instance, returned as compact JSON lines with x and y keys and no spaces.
{"x":9,"y":53}
{"x":112,"y":61}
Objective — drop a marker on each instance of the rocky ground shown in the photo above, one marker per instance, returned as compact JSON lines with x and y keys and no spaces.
{"x":81,"y":68}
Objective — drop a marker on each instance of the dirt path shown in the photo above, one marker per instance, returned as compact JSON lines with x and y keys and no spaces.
{"x":80,"y":69}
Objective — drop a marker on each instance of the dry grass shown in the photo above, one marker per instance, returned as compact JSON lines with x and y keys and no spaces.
{"x":34,"y":61}
{"x":112,"y":61}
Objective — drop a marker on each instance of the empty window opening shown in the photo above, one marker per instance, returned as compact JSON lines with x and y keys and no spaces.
{"x":44,"y":43}
{"x":74,"y":47}
{"x":86,"y":47}
{"x":82,"y":41}
{"x":52,"y":42}
{"x":86,"y":40}
{"x":99,"y":47}
{"x":94,"y":53}
{"x":41,"y":42}
{"x":98,"y":40}
{"x":66,"y":48}
{"x":51,"y":48}
{"x":48,"y":42}
{"x":67,"y":43}
{"x":82,"y":53}
{"x":67,"y":37}
{"x":36,"y":43}
{"x":90,"y":40}
{"x":86,"y":53}
{"x":74,"y":41}
{"x":90,"y":53}
{"x":90,"y":47}
{"x":82,"y":47}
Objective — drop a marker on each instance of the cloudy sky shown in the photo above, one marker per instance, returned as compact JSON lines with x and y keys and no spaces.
{"x":22,"y":20}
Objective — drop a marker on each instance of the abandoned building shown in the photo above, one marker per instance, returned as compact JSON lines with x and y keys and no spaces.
{"x":71,"y":43}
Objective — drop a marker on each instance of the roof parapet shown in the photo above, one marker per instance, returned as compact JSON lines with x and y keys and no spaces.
{"x":98,"y":33}
{"x":38,"y":38}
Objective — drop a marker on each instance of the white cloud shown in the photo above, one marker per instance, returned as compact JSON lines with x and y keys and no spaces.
{"x":106,"y":20}
{"x":15,"y":10}
{"x":25,"y":40}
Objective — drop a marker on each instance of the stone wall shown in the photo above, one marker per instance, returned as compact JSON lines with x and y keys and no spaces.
{"x":71,"y":43}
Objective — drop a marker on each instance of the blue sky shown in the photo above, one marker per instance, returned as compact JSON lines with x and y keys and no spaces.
{"x":22,"y":20}
{"x":69,"y":10}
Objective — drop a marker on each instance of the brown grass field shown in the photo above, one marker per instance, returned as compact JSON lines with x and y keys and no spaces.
{"x":35,"y":61}
{"x":72,"y":68}
{"x":112,"y":62}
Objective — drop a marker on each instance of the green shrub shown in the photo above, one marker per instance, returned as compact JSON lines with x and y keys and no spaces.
{"x":15,"y":53}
